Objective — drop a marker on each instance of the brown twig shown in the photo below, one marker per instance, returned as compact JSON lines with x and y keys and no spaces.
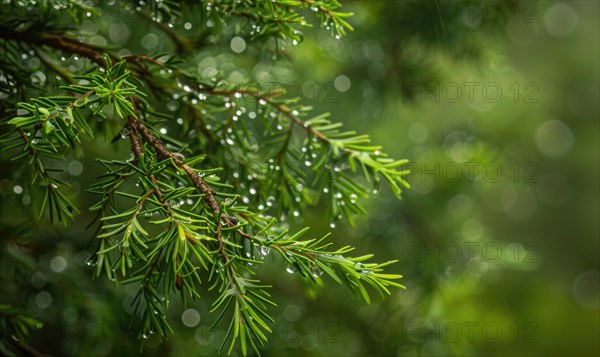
{"x":57,"y":41}
{"x":134,"y":139}
{"x":163,"y":153}
{"x":141,"y":204}
{"x":268,"y":97}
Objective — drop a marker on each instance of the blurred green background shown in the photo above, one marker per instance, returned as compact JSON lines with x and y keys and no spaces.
{"x":497,"y":239}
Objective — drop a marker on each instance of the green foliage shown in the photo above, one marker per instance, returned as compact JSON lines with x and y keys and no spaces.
{"x":216,"y":168}
{"x":15,"y":324}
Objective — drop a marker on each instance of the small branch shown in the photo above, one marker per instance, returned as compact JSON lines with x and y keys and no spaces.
{"x":35,"y":156}
{"x":276,"y":246}
{"x":268,"y":97}
{"x":57,"y":41}
{"x":137,"y":58}
{"x":136,"y":147}
{"x":159,"y":195}
{"x":140,"y":206}
{"x":163,"y":153}
{"x":209,"y":194}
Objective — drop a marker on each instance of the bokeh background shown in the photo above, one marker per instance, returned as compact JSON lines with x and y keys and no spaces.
{"x":496,"y":105}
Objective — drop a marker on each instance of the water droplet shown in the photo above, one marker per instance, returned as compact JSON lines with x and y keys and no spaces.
{"x":358,"y":265}
{"x":270,"y":201}
{"x":238,"y":44}
{"x":332,"y":225}
{"x":124,"y":133}
{"x":18,"y":189}
{"x":316,"y":271}
{"x":264,"y":251}
{"x":290,"y":269}
{"x":172,"y":106}
{"x":307,"y":163}
{"x":262,"y":101}
{"x":353,"y":198}
{"x":179,"y":156}
{"x":38,"y":78}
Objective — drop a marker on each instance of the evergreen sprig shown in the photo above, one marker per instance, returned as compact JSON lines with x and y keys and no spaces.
{"x":191,"y":210}
{"x":15,"y":323}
